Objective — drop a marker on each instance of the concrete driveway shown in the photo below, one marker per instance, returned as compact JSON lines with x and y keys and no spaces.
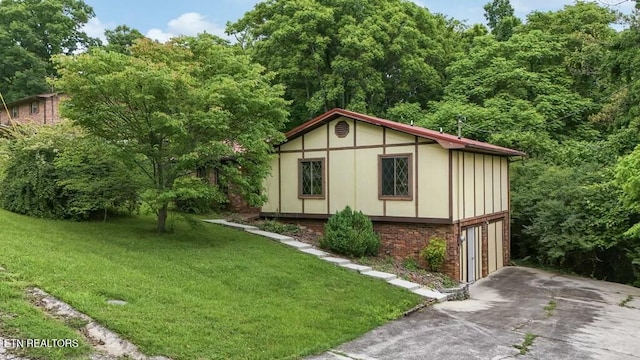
{"x":589,"y":320}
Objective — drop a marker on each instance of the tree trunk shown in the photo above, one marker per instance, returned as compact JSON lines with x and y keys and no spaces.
{"x":162,"y":219}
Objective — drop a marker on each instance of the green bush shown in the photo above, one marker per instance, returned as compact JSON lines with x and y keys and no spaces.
{"x":278,"y":228}
{"x":351,"y":233}
{"x":61,"y":173}
{"x":434,"y":253}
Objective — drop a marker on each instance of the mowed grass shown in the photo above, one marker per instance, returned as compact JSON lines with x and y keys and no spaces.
{"x":19,"y":319}
{"x":208,"y":293}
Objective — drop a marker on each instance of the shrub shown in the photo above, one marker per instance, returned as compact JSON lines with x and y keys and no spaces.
{"x":278,"y":228}
{"x":350,"y":233}
{"x":59,"y":172}
{"x":434,"y":253}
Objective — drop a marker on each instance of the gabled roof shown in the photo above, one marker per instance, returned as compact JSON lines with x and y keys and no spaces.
{"x":447,"y":141}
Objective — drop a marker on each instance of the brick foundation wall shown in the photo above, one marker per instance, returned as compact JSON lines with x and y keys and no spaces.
{"x":406,"y":240}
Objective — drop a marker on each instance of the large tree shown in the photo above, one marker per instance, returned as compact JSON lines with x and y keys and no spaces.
{"x":121,"y":38}
{"x":31,"y":31}
{"x":189,"y":103}
{"x":501,"y":18}
{"x":361,"y":55}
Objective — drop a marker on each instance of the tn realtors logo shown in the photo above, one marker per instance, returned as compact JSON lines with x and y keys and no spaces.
{"x":37,"y":343}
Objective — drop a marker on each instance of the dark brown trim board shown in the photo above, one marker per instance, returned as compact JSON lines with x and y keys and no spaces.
{"x":359,"y":147}
{"x":400,"y":219}
{"x":450,"y":185}
{"x":508,"y":225}
{"x":326,"y":173}
{"x":279,"y":180}
{"x":355,"y":133}
{"x":384,"y":152}
{"x":300,"y":196}
{"x":417,"y":181}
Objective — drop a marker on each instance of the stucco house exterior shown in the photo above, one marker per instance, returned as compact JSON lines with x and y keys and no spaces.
{"x":37,"y":109}
{"x":414,"y":184}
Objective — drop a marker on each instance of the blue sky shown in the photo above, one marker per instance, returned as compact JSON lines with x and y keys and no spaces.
{"x":163,"y":19}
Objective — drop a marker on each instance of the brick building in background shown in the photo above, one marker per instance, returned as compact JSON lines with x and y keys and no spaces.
{"x":39,"y":109}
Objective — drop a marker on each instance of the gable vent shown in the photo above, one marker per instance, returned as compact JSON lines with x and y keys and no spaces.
{"x":342,"y":129}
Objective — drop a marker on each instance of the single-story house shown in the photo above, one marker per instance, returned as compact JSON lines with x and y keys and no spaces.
{"x":414,"y":184}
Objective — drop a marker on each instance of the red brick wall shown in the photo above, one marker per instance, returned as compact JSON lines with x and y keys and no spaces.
{"x":48,"y":112}
{"x":404,"y":240}
{"x":238,"y":205}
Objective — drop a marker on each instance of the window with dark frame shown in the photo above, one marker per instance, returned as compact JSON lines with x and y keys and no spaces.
{"x":35,"y":107}
{"x":15,"y":112}
{"x":395,"y":176}
{"x":311,"y":178}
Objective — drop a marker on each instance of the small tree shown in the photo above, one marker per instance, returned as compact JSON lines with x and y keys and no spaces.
{"x":351,"y":233}
{"x":174,"y":107}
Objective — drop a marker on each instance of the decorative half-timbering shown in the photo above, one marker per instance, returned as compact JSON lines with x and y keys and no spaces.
{"x":414,"y":184}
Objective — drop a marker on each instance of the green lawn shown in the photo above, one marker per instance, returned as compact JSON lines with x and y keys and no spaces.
{"x":209,"y":293}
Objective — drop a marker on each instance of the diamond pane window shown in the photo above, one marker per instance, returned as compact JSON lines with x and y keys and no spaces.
{"x":395,"y":176}
{"x":311,"y":178}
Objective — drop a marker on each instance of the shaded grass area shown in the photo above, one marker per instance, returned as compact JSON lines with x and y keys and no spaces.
{"x":211,"y":292}
{"x":19,"y":319}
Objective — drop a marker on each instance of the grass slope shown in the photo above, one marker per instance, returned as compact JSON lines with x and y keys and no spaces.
{"x":208,"y":293}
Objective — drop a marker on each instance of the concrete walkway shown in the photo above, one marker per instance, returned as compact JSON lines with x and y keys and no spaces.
{"x":345,"y":263}
{"x":564,"y":317}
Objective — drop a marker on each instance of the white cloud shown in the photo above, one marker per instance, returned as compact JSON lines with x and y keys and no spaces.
{"x":189,"y":24}
{"x":95,"y":28}
{"x":157,"y":34}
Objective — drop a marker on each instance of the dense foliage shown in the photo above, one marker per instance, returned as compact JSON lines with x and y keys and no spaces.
{"x":62,"y":173}
{"x":361,"y":55}
{"x":350,"y":233}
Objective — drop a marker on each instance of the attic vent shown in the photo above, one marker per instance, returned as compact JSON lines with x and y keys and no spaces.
{"x":342,"y":129}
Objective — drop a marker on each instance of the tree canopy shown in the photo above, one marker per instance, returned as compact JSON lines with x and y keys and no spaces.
{"x":364,"y":56}
{"x":189,"y":103}
{"x":31,"y":31}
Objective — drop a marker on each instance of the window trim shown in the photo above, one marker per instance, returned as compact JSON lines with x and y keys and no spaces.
{"x":37,"y":107}
{"x":408,"y":197}
{"x":15,"y":112}
{"x":324,"y":175}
